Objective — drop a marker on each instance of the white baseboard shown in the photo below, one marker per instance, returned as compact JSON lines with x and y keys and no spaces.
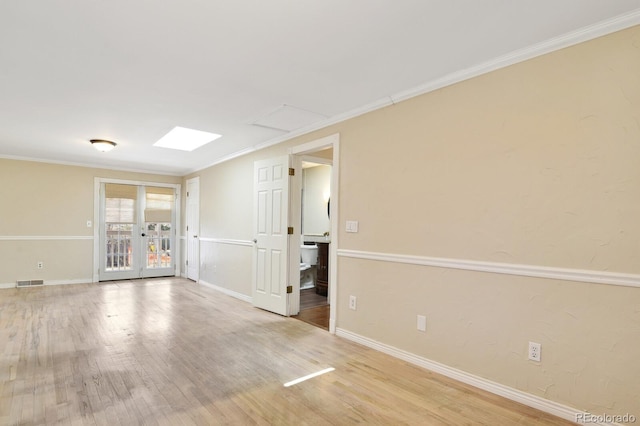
{"x":228,"y":292}
{"x":533,"y":401}
{"x":65,"y":282}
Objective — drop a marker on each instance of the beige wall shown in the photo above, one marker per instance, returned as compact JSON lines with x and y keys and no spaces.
{"x":50,"y":200}
{"x":535,"y":164}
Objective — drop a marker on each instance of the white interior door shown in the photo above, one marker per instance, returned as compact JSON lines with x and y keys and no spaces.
{"x":271,"y":211}
{"x":193,"y":226}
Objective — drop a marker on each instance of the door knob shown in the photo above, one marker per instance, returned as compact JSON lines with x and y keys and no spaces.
{"x":195,"y":236}
{"x":255,"y":241}
{"x":144,"y":235}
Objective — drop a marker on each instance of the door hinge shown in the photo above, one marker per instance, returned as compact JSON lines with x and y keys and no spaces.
{"x":289,"y":289}
{"x":290,"y":230}
{"x":187,"y":263}
{"x":292,"y":171}
{"x":187,"y":227}
{"x":187,"y":193}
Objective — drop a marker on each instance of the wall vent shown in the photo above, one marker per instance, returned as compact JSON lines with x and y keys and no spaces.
{"x":29,"y":283}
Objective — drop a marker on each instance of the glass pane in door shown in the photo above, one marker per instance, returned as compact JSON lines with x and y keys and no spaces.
{"x":158,"y":217}
{"x":120,"y":217}
{"x":118,"y":252}
{"x":158,"y":245}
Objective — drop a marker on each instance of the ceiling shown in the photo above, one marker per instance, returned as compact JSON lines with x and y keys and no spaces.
{"x":257,"y":72}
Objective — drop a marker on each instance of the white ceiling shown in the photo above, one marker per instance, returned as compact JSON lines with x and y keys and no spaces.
{"x":131,"y":70}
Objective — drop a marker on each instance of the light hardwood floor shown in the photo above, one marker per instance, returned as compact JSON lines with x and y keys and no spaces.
{"x":168,"y":351}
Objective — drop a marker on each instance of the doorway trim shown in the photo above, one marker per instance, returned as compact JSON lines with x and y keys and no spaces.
{"x":193,"y":233}
{"x":299,"y":152}
{"x":97,"y":182}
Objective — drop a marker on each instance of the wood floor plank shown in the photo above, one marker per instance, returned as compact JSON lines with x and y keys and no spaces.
{"x":170,"y":352}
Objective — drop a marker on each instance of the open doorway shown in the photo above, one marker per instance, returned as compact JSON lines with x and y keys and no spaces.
{"x":315,"y":219}
{"x":316,"y":155}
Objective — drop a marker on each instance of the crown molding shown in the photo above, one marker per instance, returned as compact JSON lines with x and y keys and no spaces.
{"x":587,"y":33}
{"x":581,"y":35}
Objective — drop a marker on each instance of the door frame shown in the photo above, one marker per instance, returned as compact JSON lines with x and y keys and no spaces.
{"x":298,"y":153}
{"x":97,"y":182}
{"x":195,"y":180}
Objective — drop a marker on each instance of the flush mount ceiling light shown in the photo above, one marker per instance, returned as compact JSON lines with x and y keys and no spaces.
{"x":102,"y":145}
{"x":185,"y":139}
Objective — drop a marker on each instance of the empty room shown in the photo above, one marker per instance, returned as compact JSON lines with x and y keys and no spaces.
{"x":320,"y":212}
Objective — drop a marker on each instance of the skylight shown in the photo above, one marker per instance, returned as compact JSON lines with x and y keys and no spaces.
{"x":185,"y":139}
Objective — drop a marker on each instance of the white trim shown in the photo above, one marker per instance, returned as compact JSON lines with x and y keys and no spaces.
{"x":96,"y":228}
{"x":568,"y":274}
{"x":246,"y":243}
{"x":315,"y":145}
{"x":335,"y":234}
{"x":65,"y":282}
{"x":575,"y":37}
{"x":177,"y":228}
{"x":52,"y":282}
{"x":578,"y":36}
{"x":192,"y":219}
{"x":226,"y":158}
{"x":138,"y":182}
{"x":44,"y":237}
{"x":228,"y":292}
{"x":542,"y":404}
{"x":330,"y":141}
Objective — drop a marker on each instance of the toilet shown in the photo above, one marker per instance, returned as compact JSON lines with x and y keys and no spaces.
{"x":308,"y":262}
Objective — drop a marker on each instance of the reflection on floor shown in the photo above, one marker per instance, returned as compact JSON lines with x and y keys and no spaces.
{"x":314,"y":309}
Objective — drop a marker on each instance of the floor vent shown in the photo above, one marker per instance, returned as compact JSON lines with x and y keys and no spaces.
{"x":29,"y":283}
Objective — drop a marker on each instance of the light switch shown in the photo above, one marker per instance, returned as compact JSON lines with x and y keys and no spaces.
{"x":422,"y":323}
{"x":352,"y":226}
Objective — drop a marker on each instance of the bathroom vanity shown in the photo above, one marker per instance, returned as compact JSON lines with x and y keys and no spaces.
{"x":322,"y":279}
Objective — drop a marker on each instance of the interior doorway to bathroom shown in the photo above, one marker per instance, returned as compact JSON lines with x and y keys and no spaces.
{"x":315,"y":225}
{"x":314,"y":210}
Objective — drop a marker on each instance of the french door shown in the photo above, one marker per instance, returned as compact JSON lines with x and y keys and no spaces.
{"x":137,"y":231}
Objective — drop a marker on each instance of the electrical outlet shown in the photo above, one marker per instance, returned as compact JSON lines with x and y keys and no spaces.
{"x":352,"y":303}
{"x":40,"y":265}
{"x":422,"y":323}
{"x":534,"y":351}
